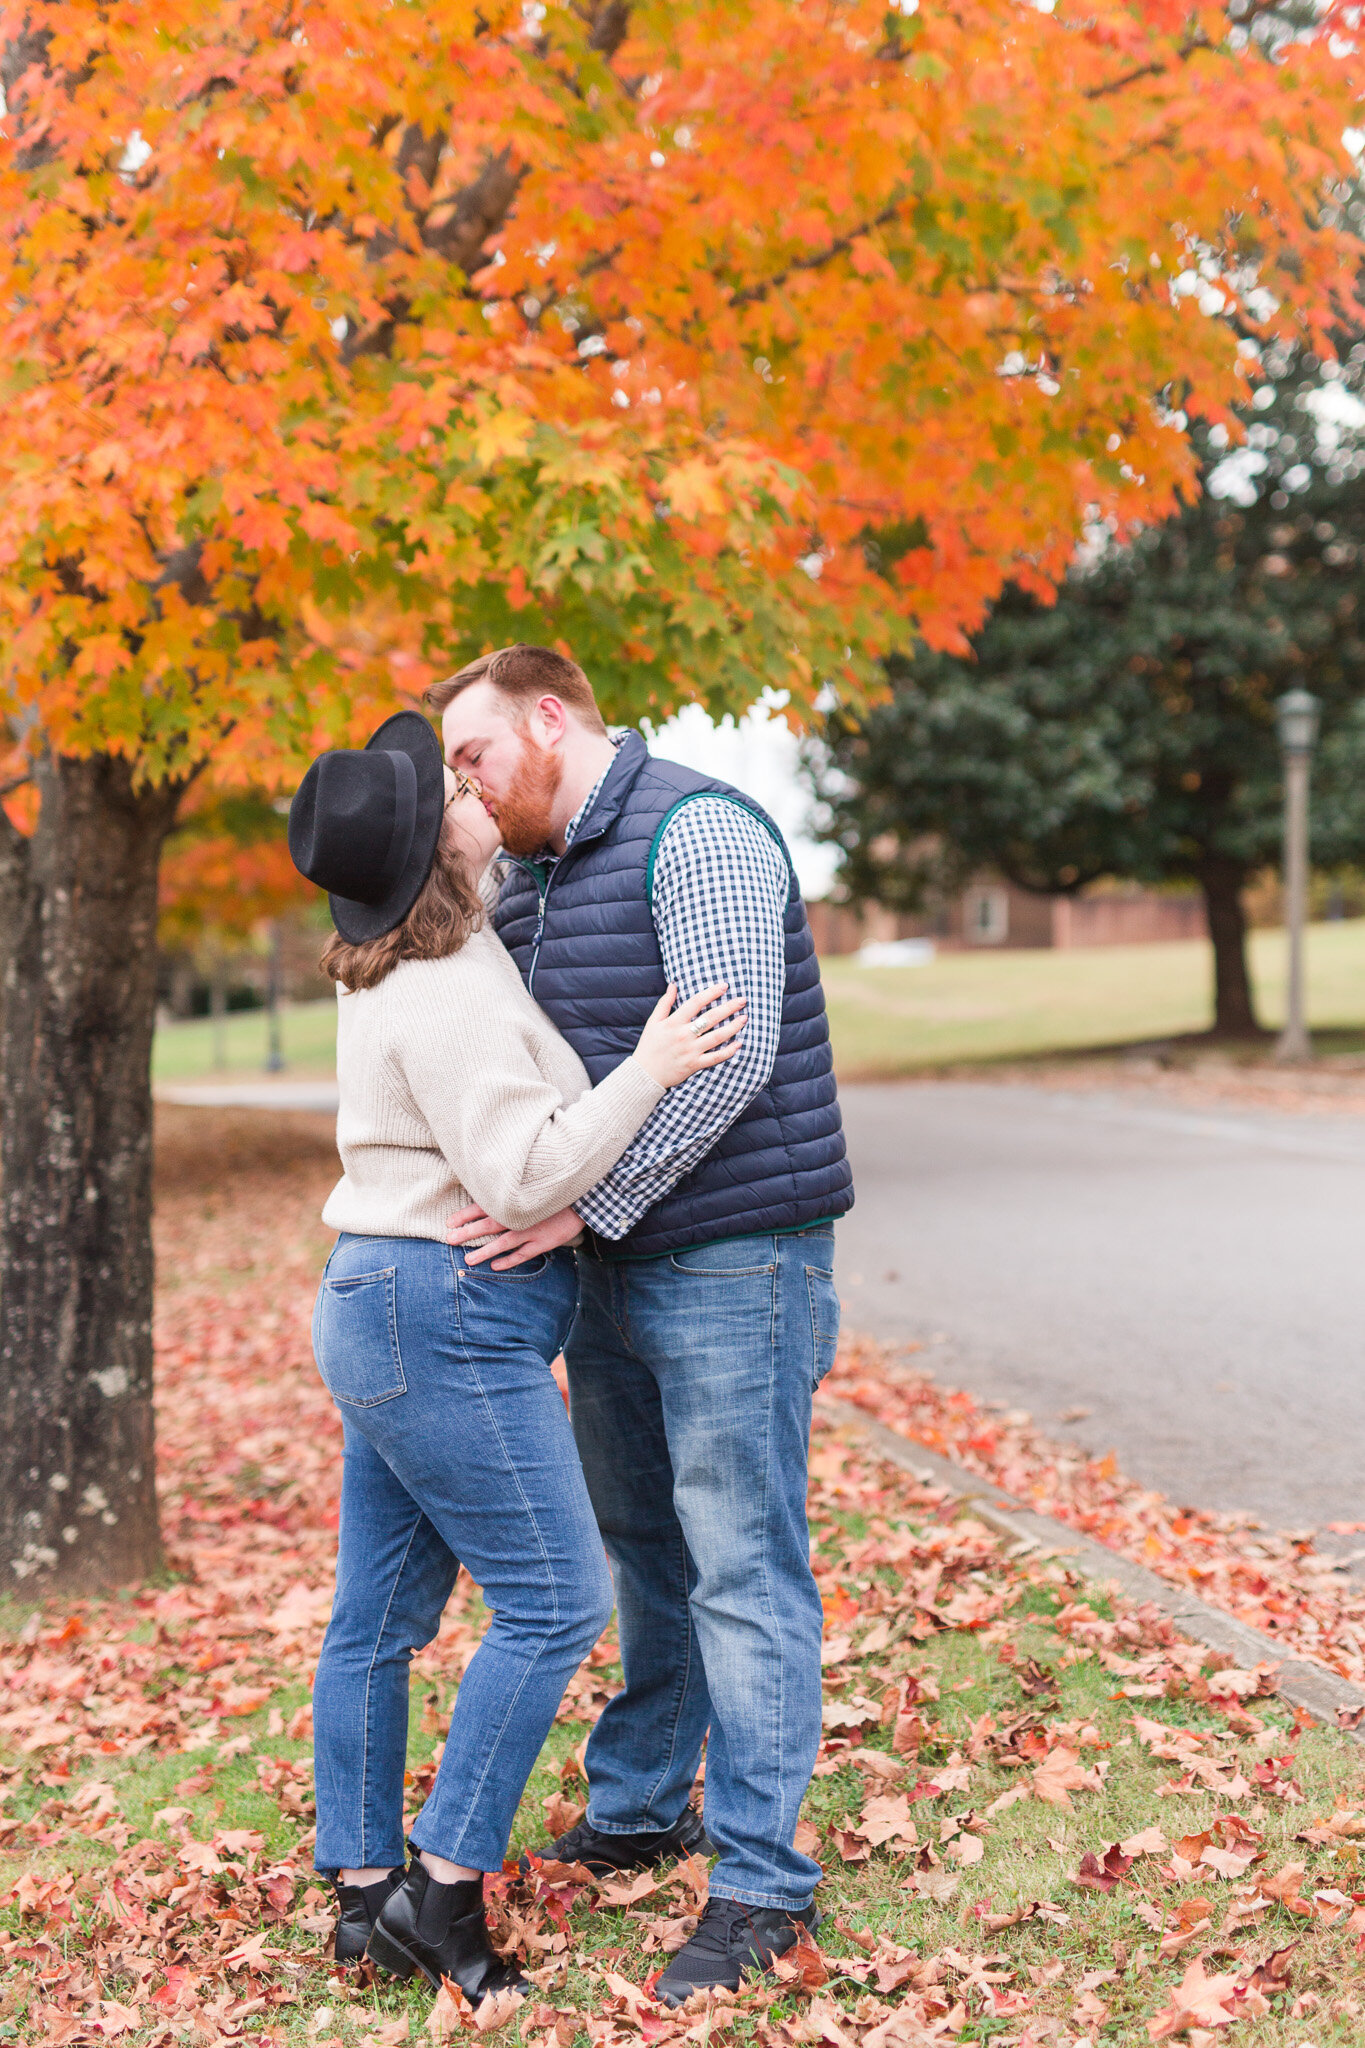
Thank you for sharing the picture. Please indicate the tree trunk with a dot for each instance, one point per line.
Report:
(1234, 1013)
(77, 1495)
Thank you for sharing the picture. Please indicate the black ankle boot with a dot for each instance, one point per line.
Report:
(359, 1909)
(440, 1930)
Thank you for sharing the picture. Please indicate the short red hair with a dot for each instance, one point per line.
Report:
(523, 674)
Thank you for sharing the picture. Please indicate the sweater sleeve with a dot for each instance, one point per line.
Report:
(514, 1145)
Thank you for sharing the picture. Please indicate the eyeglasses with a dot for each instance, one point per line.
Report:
(465, 785)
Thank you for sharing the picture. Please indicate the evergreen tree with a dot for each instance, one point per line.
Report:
(1128, 730)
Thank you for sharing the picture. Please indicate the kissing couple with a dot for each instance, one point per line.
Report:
(586, 1105)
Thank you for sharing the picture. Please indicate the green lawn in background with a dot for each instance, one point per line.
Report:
(1007, 1005)
(184, 1052)
(960, 1007)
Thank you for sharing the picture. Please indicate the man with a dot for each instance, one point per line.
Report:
(707, 1312)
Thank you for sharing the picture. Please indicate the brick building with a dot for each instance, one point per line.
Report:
(992, 912)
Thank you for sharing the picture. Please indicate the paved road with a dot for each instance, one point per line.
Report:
(1195, 1280)
(256, 1094)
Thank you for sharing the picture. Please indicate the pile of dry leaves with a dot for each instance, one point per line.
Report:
(1038, 1817)
(1275, 1581)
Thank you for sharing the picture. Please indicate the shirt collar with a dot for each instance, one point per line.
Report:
(572, 828)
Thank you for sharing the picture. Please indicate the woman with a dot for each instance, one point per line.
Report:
(454, 1088)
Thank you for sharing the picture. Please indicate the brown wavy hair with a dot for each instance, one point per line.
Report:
(447, 911)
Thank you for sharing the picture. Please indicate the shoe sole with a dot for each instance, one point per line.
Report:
(665, 1999)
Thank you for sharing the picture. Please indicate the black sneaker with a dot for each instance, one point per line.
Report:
(359, 1907)
(609, 1855)
(732, 1942)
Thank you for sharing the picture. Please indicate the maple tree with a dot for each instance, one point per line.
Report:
(226, 870)
(343, 338)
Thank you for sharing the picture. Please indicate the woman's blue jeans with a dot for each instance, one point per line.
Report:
(458, 1450)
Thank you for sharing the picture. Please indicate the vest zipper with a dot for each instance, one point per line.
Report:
(542, 882)
(544, 887)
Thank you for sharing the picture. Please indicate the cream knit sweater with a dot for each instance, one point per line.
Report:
(457, 1088)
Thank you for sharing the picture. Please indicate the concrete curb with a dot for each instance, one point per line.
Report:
(1319, 1691)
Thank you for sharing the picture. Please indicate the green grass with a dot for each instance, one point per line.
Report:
(984, 1006)
(184, 1051)
(1032, 1851)
(960, 1008)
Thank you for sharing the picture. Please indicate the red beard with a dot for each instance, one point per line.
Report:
(523, 814)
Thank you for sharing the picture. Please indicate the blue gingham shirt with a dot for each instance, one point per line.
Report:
(719, 904)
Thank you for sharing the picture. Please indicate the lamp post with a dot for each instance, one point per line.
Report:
(1296, 719)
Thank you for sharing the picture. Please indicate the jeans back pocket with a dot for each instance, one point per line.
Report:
(355, 1338)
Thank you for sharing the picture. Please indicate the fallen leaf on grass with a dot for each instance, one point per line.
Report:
(875, 1764)
(1342, 1826)
(1176, 1745)
(251, 1955)
(1061, 1774)
(1036, 1909)
(450, 2014)
(627, 1894)
(387, 2035)
(1229, 1863)
(1245, 1685)
(1101, 1873)
(821, 2022)
(1194, 1921)
(854, 1713)
(1008, 1799)
(1199, 2000)
(803, 1964)
(1036, 1681)
(886, 1819)
(1151, 1842)
(116, 2018)
(1271, 1977)
(561, 1813)
(1273, 1778)
(852, 1848)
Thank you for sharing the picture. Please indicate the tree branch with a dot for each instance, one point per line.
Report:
(456, 227)
(1183, 54)
(752, 293)
(610, 19)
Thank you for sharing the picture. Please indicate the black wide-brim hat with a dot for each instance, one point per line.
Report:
(365, 822)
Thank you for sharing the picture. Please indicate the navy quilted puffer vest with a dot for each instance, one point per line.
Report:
(585, 943)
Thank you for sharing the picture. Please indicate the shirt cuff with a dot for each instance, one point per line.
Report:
(609, 1220)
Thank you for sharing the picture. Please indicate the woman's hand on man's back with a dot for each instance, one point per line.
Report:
(702, 1032)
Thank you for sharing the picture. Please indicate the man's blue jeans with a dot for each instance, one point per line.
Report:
(458, 1449)
(690, 1379)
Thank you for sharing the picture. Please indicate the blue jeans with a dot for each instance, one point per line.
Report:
(691, 1378)
(458, 1449)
